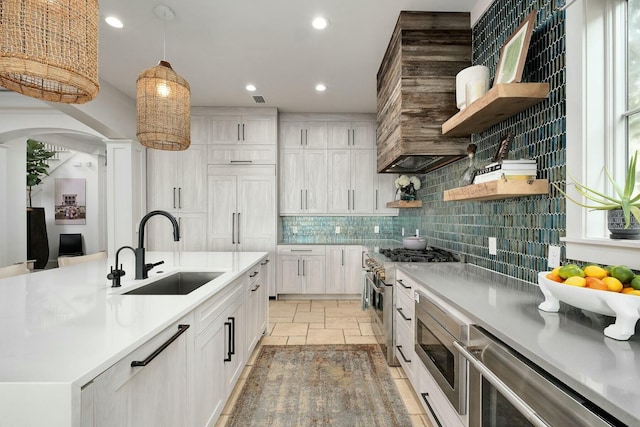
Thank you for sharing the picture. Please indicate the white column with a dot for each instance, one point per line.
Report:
(126, 192)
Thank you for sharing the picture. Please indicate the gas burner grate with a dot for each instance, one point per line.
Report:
(425, 255)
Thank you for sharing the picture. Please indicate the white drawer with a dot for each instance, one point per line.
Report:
(404, 350)
(245, 155)
(405, 310)
(301, 250)
(434, 401)
(404, 284)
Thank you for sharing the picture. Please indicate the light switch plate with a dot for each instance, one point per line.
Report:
(554, 256)
(402, 231)
(376, 229)
(493, 246)
(417, 232)
(294, 229)
(337, 229)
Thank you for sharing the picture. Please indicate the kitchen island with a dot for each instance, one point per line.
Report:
(62, 328)
(570, 345)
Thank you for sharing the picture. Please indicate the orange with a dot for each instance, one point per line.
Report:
(554, 277)
(613, 284)
(595, 283)
(576, 281)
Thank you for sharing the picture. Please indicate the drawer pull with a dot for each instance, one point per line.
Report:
(403, 285)
(399, 347)
(399, 310)
(145, 362)
(424, 397)
(266, 261)
(254, 274)
(256, 288)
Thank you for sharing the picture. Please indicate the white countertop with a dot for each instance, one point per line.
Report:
(67, 325)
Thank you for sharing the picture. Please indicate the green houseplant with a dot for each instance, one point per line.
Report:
(37, 156)
(625, 199)
(37, 240)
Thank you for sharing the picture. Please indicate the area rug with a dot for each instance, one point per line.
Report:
(319, 385)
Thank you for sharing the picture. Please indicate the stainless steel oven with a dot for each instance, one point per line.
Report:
(380, 301)
(436, 331)
(507, 391)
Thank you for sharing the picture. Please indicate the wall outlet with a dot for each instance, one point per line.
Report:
(493, 246)
(554, 256)
(402, 231)
(337, 229)
(294, 229)
(417, 232)
(376, 229)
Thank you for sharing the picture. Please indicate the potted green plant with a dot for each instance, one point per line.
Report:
(623, 208)
(37, 169)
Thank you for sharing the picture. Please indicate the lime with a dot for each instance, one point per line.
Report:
(622, 273)
(635, 283)
(570, 270)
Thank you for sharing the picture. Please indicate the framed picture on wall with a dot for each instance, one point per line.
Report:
(514, 52)
(70, 202)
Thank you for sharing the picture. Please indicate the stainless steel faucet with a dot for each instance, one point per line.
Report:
(142, 269)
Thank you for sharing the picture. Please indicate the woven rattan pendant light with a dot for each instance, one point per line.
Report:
(49, 49)
(163, 104)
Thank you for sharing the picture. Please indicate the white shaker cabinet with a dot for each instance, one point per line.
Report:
(303, 181)
(301, 269)
(385, 191)
(242, 208)
(176, 183)
(300, 134)
(242, 129)
(351, 178)
(257, 301)
(344, 269)
(359, 135)
(150, 395)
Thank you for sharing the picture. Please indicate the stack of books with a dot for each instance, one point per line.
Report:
(507, 169)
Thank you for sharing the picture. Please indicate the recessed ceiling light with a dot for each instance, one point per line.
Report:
(320, 23)
(320, 87)
(114, 22)
(250, 88)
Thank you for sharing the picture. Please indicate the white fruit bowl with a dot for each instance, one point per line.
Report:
(625, 308)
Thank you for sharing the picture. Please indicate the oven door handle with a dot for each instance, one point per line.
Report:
(377, 289)
(522, 406)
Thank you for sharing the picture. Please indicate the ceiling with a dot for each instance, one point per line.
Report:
(220, 46)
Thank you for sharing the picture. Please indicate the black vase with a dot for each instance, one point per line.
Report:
(616, 223)
(37, 240)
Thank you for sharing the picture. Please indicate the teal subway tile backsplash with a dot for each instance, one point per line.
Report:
(322, 228)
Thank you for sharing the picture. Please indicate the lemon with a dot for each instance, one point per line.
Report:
(613, 284)
(576, 281)
(555, 270)
(595, 271)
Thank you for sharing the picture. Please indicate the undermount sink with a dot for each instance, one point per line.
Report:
(181, 283)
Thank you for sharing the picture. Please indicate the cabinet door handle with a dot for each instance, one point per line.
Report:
(179, 197)
(353, 137)
(362, 259)
(433, 414)
(254, 274)
(233, 228)
(301, 199)
(301, 136)
(402, 284)
(306, 199)
(181, 330)
(303, 268)
(233, 335)
(256, 288)
(348, 137)
(399, 347)
(238, 131)
(266, 261)
(228, 358)
(348, 200)
(174, 197)
(241, 161)
(306, 137)
(301, 250)
(298, 267)
(376, 199)
(243, 131)
(342, 250)
(238, 227)
(399, 310)
(353, 199)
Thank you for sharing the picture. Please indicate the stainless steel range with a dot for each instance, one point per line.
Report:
(380, 275)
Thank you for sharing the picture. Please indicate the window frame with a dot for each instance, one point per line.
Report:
(595, 118)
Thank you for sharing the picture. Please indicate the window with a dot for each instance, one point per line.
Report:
(603, 117)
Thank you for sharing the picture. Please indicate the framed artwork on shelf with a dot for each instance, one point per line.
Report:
(514, 52)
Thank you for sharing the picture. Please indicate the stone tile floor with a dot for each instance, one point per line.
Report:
(300, 322)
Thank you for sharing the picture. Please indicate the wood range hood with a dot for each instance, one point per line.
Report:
(416, 86)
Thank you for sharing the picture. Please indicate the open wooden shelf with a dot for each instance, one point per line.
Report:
(405, 204)
(499, 189)
(499, 103)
